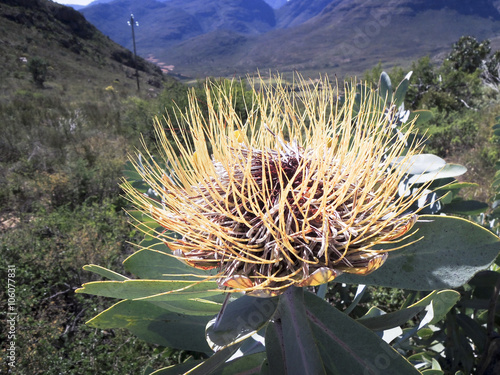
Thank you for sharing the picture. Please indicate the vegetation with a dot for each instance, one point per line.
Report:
(70, 113)
(463, 109)
(301, 331)
(69, 121)
(38, 68)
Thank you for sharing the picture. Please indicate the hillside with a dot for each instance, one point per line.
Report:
(79, 56)
(167, 23)
(394, 32)
(64, 141)
(293, 13)
(337, 36)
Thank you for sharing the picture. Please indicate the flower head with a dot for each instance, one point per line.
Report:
(295, 194)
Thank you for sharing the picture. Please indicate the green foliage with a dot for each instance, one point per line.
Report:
(61, 159)
(174, 98)
(465, 333)
(302, 331)
(425, 263)
(48, 249)
(61, 155)
(454, 97)
(467, 54)
(461, 128)
(292, 316)
(38, 68)
(443, 88)
(453, 132)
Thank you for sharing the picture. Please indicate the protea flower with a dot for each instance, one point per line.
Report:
(296, 194)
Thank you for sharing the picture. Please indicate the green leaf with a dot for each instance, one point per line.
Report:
(441, 301)
(445, 199)
(423, 357)
(264, 369)
(208, 306)
(421, 116)
(158, 265)
(450, 170)
(239, 320)
(141, 186)
(145, 223)
(157, 244)
(247, 365)
(473, 330)
(463, 207)
(457, 186)
(432, 372)
(401, 90)
(130, 173)
(496, 182)
(155, 325)
(152, 290)
(177, 369)
(385, 87)
(425, 333)
(104, 272)
(295, 343)
(139, 216)
(420, 164)
(215, 361)
(348, 347)
(276, 363)
(389, 320)
(485, 279)
(451, 250)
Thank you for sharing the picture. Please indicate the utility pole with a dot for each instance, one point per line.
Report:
(133, 23)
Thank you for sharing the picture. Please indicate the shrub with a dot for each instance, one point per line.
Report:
(38, 68)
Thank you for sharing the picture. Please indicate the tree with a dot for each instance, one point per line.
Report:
(467, 54)
(38, 68)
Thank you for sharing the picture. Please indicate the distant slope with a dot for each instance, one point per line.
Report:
(167, 23)
(159, 23)
(227, 37)
(78, 54)
(275, 4)
(242, 16)
(349, 36)
(295, 12)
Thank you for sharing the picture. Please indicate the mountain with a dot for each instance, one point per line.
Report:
(167, 23)
(276, 4)
(78, 55)
(337, 36)
(242, 16)
(295, 12)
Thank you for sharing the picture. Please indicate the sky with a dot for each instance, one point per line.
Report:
(73, 2)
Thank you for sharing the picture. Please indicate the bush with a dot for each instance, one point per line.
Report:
(38, 68)
(49, 249)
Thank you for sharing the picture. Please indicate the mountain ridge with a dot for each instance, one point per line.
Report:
(309, 35)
